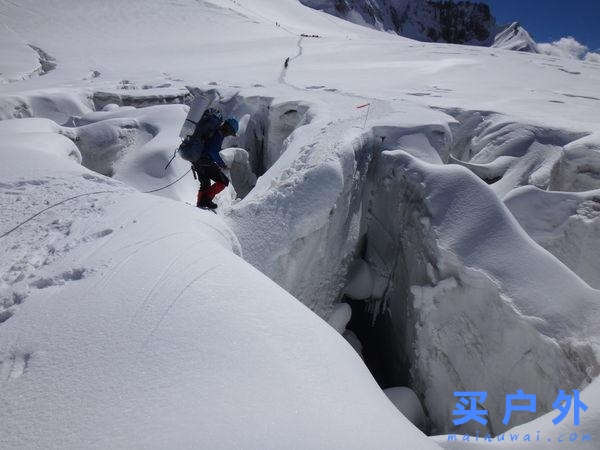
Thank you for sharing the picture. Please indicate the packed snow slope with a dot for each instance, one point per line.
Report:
(566, 225)
(128, 317)
(131, 323)
(239, 43)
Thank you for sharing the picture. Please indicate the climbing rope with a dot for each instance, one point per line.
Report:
(83, 195)
(50, 207)
(168, 185)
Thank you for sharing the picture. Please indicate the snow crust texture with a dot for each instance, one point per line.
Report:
(425, 210)
(128, 320)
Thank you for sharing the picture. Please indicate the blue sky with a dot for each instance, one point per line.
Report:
(549, 20)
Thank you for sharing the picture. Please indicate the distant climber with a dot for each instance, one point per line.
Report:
(202, 150)
(286, 63)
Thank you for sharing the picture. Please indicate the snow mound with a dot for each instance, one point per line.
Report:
(129, 144)
(566, 224)
(59, 105)
(131, 322)
(242, 176)
(579, 167)
(508, 153)
(125, 317)
(360, 286)
(461, 249)
(51, 143)
(134, 145)
(438, 244)
(408, 404)
(340, 317)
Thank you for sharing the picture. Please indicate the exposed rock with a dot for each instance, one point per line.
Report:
(430, 21)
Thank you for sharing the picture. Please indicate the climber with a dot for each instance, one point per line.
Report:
(286, 63)
(207, 140)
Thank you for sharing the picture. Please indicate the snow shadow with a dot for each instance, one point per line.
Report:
(429, 321)
(507, 153)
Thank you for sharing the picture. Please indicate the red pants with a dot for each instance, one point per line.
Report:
(206, 173)
(208, 194)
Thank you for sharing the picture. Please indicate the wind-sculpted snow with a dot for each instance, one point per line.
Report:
(446, 253)
(55, 104)
(462, 207)
(300, 224)
(438, 244)
(579, 167)
(129, 144)
(134, 145)
(127, 320)
(482, 255)
(147, 95)
(507, 153)
(564, 223)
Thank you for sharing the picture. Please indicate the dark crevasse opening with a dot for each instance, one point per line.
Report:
(388, 367)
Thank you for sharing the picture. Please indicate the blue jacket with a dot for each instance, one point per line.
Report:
(212, 147)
